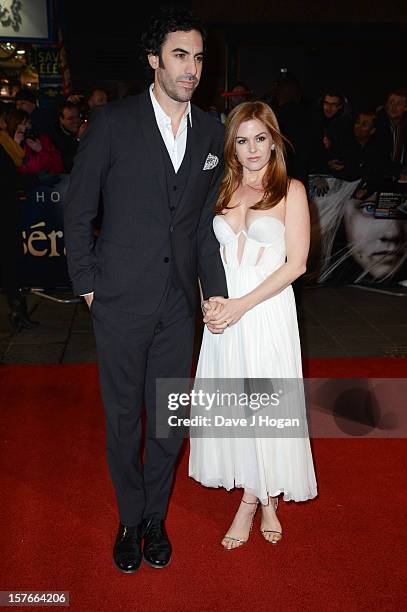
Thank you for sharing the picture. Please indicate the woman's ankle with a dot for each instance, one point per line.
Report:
(249, 498)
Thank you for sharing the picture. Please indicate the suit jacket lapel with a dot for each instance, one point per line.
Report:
(198, 155)
(151, 134)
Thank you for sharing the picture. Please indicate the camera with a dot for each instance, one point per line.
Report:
(31, 134)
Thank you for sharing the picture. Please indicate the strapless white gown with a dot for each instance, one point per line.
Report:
(263, 344)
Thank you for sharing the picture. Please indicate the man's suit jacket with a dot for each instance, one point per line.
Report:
(120, 155)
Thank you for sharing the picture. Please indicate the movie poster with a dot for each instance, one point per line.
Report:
(356, 241)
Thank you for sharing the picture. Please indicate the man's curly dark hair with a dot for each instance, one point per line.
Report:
(168, 19)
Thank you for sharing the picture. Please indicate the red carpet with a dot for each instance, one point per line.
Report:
(343, 551)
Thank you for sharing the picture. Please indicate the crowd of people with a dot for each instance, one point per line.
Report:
(36, 145)
(330, 137)
(324, 140)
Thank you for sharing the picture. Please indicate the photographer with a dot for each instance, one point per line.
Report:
(86, 104)
(40, 155)
(64, 133)
(358, 155)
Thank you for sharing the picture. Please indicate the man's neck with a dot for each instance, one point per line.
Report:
(172, 108)
(65, 131)
(395, 120)
(363, 141)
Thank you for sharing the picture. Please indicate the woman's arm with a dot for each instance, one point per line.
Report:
(297, 238)
(44, 158)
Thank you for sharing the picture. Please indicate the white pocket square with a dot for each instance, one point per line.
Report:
(211, 162)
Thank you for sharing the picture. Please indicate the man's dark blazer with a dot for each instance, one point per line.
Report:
(121, 156)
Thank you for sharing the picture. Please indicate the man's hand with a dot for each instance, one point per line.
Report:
(75, 98)
(321, 186)
(336, 164)
(210, 310)
(88, 299)
(82, 129)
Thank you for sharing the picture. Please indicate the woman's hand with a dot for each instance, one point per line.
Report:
(232, 311)
(35, 145)
(18, 137)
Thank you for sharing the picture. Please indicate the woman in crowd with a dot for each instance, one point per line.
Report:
(262, 225)
(40, 155)
(11, 245)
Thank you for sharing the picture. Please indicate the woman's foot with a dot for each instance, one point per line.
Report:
(240, 529)
(270, 525)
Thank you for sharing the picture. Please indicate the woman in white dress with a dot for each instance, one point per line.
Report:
(262, 225)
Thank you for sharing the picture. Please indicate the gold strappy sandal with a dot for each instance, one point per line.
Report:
(241, 542)
(277, 534)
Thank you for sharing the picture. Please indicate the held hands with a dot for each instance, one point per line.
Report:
(209, 310)
(221, 313)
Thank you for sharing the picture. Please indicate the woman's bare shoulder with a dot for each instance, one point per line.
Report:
(296, 189)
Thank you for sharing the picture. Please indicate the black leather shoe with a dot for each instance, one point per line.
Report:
(19, 317)
(157, 547)
(127, 555)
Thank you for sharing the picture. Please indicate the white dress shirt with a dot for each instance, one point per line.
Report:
(175, 145)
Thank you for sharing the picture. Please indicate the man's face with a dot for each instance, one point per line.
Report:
(70, 119)
(331, 105)
(364, 126)
(25, 105)
(396, 106)
(179, 66)
(98, 98)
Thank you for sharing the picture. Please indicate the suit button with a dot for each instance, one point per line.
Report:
(171, 228)
(172, 208)
(166, 259)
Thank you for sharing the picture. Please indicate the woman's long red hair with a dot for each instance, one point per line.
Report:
(275, 180)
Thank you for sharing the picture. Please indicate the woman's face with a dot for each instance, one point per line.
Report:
(22, 127)
(253, 145)
(378, 245)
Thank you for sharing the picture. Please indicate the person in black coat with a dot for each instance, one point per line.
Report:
(158, 160)
(64, 133)
(327, 124)
(391, 134)
(357, 154)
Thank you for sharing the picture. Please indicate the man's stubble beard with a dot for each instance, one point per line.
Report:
(170, 88)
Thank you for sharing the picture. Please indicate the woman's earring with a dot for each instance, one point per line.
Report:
(273, 146)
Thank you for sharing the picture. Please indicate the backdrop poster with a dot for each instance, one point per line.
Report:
(24, 19)
(356, 241)
(44, 263)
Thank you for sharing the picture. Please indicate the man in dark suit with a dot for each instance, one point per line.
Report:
(157, 160)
